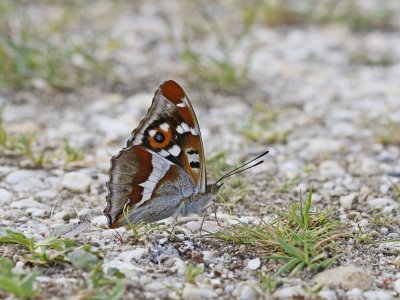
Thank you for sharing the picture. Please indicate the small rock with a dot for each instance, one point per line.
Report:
(208, 226)
(192, 292)
(327, 295)
(5, 197)
(317, 146)
(293, 292)
(348, 201)
(127, 268)
(245, 291)
(100, 221)
(330, 169)
(207, 255)
(354, 294)
(21, 176)
(135, 254)
(381, 202)
(396, 286)
(27, 203)
(76, 182)
(384, 231)
(155, 286)
(254, 264)
(364, 167)
(37, 212)
(393, 235)
(377, 295)
(345, 277)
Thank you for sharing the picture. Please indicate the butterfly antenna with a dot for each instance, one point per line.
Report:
(239, 169)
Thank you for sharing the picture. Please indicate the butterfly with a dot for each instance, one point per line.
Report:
(162, 170)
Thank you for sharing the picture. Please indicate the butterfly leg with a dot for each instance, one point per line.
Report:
(202, 222)
(175, 217)
(215, 215)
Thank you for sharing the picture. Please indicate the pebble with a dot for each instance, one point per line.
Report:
(100, 222)
(254, 264)
(293, 292)
(191, 292)
(19, 176)
(330, 169)
(135, 254)
(245, 291)
(384, 231)
(327, 295)
(381, 202)
(127, 268)
(354, 294)
(377, 295)
(5, 197)
(76, 182)
(394, 235)
(396, 286)
(27, 203)
(208, 226)
(348, 201)
(345, 277)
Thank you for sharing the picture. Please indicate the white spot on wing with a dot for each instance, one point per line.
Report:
(175, 150)
(152, 132)
(193, 157)
(160, 167)
(183, 127)
(182, 104)
(163, 153)
(164, 126)
(179, 129)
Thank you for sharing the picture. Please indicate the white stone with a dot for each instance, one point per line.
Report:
(381, 202)
(191, 292)
(27, 203)
(135, 254)
(377, 295)
(36, 212)
(293, 292)
(348, 201)
(76, 182)
(330, 169)
(396, 286)
(21, 176)
(384, 231)
(345, 277)
(100, 222)
(354, 293)
(254, 264)
(327, 295)
(5, 197)
(127, 268)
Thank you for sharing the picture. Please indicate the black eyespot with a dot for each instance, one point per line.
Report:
(195, 164)
(159, 137)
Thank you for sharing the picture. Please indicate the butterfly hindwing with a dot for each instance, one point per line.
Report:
(149, 184)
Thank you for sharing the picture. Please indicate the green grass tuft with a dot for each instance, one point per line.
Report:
(299, 237)
(192, 272)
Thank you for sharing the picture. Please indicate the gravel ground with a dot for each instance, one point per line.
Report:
(323, 98)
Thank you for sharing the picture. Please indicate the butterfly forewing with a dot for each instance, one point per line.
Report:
(170, 129)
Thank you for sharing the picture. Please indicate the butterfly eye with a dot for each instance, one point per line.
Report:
(159, 137)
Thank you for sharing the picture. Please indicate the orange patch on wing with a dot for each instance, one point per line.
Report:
(187, 116)
(167, 138)
(173, 91)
